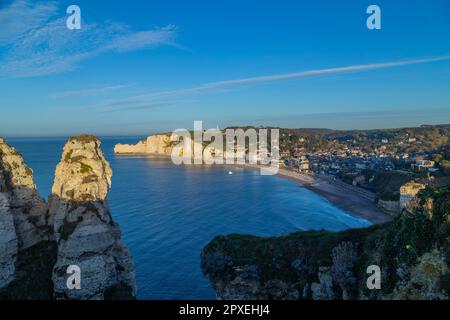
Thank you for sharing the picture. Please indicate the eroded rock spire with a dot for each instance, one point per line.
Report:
(85, 232)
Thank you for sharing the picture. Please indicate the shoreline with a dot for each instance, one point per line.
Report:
(353, 200)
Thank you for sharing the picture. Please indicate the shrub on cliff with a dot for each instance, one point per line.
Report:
(410, 236)
(344, 257)
(424, 280)
(413, 252)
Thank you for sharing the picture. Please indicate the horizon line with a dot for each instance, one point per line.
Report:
(227, 127)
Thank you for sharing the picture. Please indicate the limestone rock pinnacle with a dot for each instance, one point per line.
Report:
(85, 232)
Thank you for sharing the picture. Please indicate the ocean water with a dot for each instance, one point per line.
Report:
(168, 213)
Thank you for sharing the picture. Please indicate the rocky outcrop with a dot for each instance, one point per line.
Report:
(27, 208)
(245, 282)
(23, 214)
(85, 232)
(411, 251)
(408, 193)
(39, 241)
(323, 290)
(83, 173)
(8, 243)
(159, 144)
(422, 281)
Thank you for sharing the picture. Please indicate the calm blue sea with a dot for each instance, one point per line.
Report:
(169, 213)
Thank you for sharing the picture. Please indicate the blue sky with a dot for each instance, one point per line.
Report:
(139, 67)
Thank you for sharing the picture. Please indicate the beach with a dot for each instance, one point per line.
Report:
(353, 200)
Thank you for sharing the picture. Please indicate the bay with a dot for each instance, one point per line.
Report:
(168, 213)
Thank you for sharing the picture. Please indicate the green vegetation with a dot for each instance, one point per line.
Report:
(415, 242)
(273, 256)
(28, 171)
(445, 165)
(84, 168)
(84, 138)
(90, 178)
(68, 156)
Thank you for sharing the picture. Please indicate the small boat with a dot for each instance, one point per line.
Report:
(230, 172)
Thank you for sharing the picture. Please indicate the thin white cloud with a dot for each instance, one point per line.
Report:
(21, 16)
(88, 92)
(141, 107)
(46, 46)
(230, 84)
(144, 39)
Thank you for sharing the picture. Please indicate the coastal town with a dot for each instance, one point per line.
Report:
(392, 165)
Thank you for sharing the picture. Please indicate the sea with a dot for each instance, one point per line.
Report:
(168, 213)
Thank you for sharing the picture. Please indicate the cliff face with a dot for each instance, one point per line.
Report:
(159, 144)
(27, 208)
(408, 193)
(156, 144)
(84, 230)
(412, 251)
(23, 214)
(139, 148)
(38, 241)
(8, 243)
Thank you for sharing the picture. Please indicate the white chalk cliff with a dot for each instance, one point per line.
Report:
(159, 144)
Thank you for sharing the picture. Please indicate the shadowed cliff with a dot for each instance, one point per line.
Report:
(75, 228)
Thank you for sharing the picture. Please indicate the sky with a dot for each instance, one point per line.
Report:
(141, 67)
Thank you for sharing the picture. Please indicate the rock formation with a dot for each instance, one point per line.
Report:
(23, 218)
(408, 192)
(323, 290)
(159, 144)
(27, 208)
(8, 243)
(139, 148)
(38, 242)
(84, 230)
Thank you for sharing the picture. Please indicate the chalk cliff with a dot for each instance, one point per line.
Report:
(139, 148)
(84, 230)
(38, 241)
(159, 144)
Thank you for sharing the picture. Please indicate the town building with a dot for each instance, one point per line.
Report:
(422, 165)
